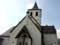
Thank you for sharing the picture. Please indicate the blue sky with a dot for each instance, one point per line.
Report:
(12, 11)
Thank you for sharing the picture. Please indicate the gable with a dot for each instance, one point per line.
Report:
(17, 24)
(24, 22)
(24, 31)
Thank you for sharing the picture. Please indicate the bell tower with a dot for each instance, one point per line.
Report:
(36, 13)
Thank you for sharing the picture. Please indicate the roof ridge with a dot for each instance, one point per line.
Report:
(17, 24)
(36, 21)
(38, 27)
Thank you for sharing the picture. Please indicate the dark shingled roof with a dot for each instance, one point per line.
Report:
(48, 29)
(35, 6)
(44, 29)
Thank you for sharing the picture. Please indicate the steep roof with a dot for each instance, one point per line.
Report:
(17, 25)
(7, 33)
(35, 6)
(24, 30)
(48, 29)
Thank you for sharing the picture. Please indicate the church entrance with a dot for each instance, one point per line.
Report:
(24, 38)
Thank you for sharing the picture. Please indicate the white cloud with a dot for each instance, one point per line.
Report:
(29, 6)
(7, 12)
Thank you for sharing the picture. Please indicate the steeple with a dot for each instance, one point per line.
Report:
(35, 12)
(35, 6)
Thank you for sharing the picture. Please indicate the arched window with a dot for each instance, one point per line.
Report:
(1, 41)
(24, 38)
(36, 13)
(30, 13)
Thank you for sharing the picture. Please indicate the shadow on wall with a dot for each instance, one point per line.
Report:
(1, 41)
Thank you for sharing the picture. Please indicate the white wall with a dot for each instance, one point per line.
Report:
(38, 18)
(6, 41)
(50, 39)
(34, 32)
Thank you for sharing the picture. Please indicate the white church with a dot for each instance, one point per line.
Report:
(29, 31)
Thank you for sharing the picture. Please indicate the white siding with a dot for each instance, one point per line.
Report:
(38, 18)
(35, 33)
(50, 39)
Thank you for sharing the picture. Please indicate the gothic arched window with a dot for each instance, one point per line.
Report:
(24, 38)
(31, 13)
(36, 13)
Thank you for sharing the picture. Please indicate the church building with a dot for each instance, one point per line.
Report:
(29, 31)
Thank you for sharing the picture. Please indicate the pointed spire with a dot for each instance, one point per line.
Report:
(35, 6)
